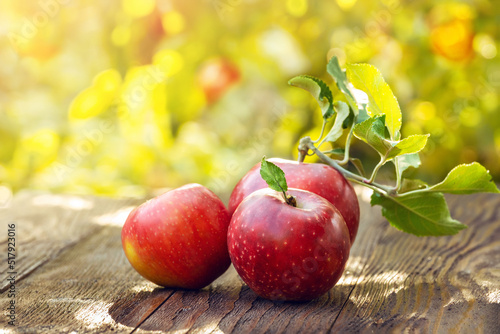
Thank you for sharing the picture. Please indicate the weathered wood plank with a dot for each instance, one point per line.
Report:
(443, 285)
(393, 281)
(81, 273)
(47, 224)
(82, 288)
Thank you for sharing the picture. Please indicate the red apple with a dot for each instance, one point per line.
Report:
(320, 179)
(284, 252)
(179, 239)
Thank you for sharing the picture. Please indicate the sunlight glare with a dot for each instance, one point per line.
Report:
(65, 201)
(116, 218)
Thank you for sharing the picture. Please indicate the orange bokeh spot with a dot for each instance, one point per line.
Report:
(216, 76)
(453, 40)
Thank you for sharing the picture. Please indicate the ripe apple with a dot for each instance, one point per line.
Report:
(320, 179)
(286, 252)
(179, 239)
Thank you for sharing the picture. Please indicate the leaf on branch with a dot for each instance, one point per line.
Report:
(318, 89)
(339, 76)
(337, 129)
(381, 99)
(406, 161)
(422, 214)
(273, 175)
(412, 184)
(467, 179)
(409, 145)
(372, 132)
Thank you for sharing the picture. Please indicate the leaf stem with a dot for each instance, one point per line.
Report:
(373, 186)
(358, 168)
(348, 144)
(413, 192)
(376, 169)
(322, 132)
(321, 142)
(397, 188)
(285, 196)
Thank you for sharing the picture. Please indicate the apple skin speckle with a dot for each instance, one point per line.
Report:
(298, 265)
(179, 239)
(320, 179)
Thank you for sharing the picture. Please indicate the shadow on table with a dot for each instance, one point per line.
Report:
(225, 307)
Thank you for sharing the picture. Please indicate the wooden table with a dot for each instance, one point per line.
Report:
(72, 276)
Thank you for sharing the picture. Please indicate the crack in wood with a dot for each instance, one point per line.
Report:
(347, 299)
(150, 314)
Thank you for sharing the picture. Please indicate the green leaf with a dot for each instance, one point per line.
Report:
(337, 128)
(363, 115)
(412, 184)
(273, 175)
(467, 179)
(318, 89)
(333, 68)
(362, 130)
(422, 214)
(372, 132)
(406, 161)
(381, 99)
(409, 145)
(379, 129)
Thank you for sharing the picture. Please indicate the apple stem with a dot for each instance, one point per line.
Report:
(290, 200)
(302, 153)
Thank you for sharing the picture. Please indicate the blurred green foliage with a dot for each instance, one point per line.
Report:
(125, 97)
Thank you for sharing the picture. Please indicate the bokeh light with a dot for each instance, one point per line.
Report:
(126, 97)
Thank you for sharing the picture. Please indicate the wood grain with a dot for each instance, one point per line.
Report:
(81, 281)
(74, 245)
(439, 285)
(81, 289)
(47, 224)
